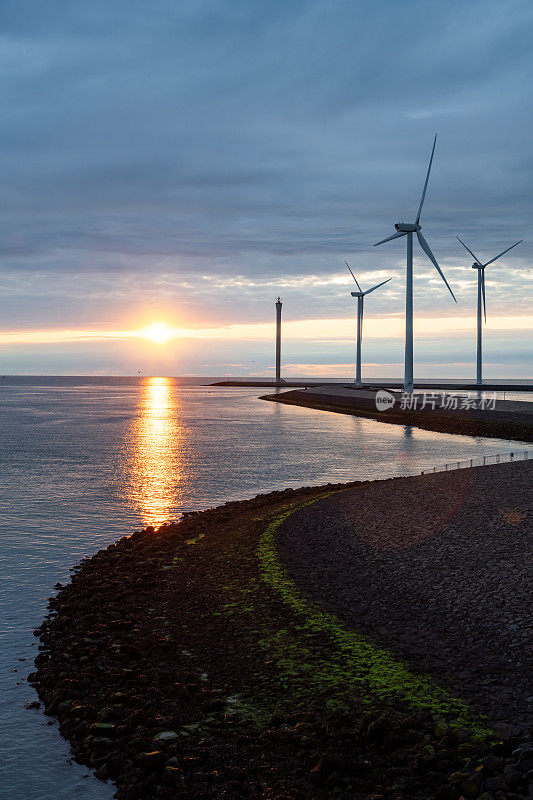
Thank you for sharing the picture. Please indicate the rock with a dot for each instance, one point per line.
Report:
(525, 747)
(493, 764)
(217, 704)
(190, 762)
(506, 731)
(102, 773)
(103, 728)
(513, 778)
(457, 778)
(171, 772)
(463, 735)
(472, 783)
(495, 784)
(303, 728)
(167, 736)
(377, 729)
(322, 769)
(277, 719)
(152, 761)
(445, 792)
(525, 760)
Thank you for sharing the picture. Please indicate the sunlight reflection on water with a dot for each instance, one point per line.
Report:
(154, 449)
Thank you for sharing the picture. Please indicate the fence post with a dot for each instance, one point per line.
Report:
(484, 460)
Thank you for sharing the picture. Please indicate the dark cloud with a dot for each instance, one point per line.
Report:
(149, 143)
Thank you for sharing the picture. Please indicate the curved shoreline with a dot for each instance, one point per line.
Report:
(488, 424)
(353, 658)
(173, 667)
(436, 571)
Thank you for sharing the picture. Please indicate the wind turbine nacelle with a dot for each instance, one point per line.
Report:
(477, 266)
(407, 227)
(357, 294)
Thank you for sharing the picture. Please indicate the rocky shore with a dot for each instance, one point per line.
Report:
(508, 420)
(185, 662)
(439, 570)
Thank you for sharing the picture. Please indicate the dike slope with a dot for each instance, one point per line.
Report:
(508, 420)
(185, 662)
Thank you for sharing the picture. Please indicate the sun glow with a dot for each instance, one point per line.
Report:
(303, 329)
(158, 333)
(157, 455)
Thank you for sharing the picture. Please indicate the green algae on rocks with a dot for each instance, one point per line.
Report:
(354, 663)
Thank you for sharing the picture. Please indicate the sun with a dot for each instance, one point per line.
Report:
(157, 333)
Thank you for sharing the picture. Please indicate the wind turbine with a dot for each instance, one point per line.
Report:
(481, 294)
(360, 300)
(407, 229)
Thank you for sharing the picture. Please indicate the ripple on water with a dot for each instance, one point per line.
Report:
(84, 464)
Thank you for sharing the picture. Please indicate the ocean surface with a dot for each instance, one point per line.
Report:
(86, 461)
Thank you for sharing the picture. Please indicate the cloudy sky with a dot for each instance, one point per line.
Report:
(183, 163)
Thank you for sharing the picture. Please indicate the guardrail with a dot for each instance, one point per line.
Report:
(481, 461)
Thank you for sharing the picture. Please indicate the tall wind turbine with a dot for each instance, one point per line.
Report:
(407, 229)
(360, 300)
(481, 294)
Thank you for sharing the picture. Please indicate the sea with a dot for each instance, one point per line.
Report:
(85, 461)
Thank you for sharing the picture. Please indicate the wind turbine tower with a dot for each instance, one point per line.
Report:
(408, 229)
(481, 297)
(278, 340)
(360, 301)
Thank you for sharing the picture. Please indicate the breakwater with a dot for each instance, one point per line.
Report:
(507, 420)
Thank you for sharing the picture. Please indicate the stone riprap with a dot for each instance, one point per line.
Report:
(508, 419)
(437, 568)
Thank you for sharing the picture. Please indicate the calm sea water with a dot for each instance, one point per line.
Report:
(84, 462)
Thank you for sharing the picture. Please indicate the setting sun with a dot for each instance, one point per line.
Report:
(158, 332)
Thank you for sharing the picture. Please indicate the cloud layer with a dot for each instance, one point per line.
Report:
(192, 160)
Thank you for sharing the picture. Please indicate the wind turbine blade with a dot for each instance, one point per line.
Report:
(483, 292)
(502, 254)
(426, 183)
(390, 238)
(353, 276)
(476, 259)
(376, 287)
(426, 248)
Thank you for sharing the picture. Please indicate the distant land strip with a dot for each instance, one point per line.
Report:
(503, 422)
(434, 386)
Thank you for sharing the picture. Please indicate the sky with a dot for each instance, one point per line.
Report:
(182, 164)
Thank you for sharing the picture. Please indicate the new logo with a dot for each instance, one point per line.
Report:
(384, 400)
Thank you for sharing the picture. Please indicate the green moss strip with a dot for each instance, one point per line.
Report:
(353, 663)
